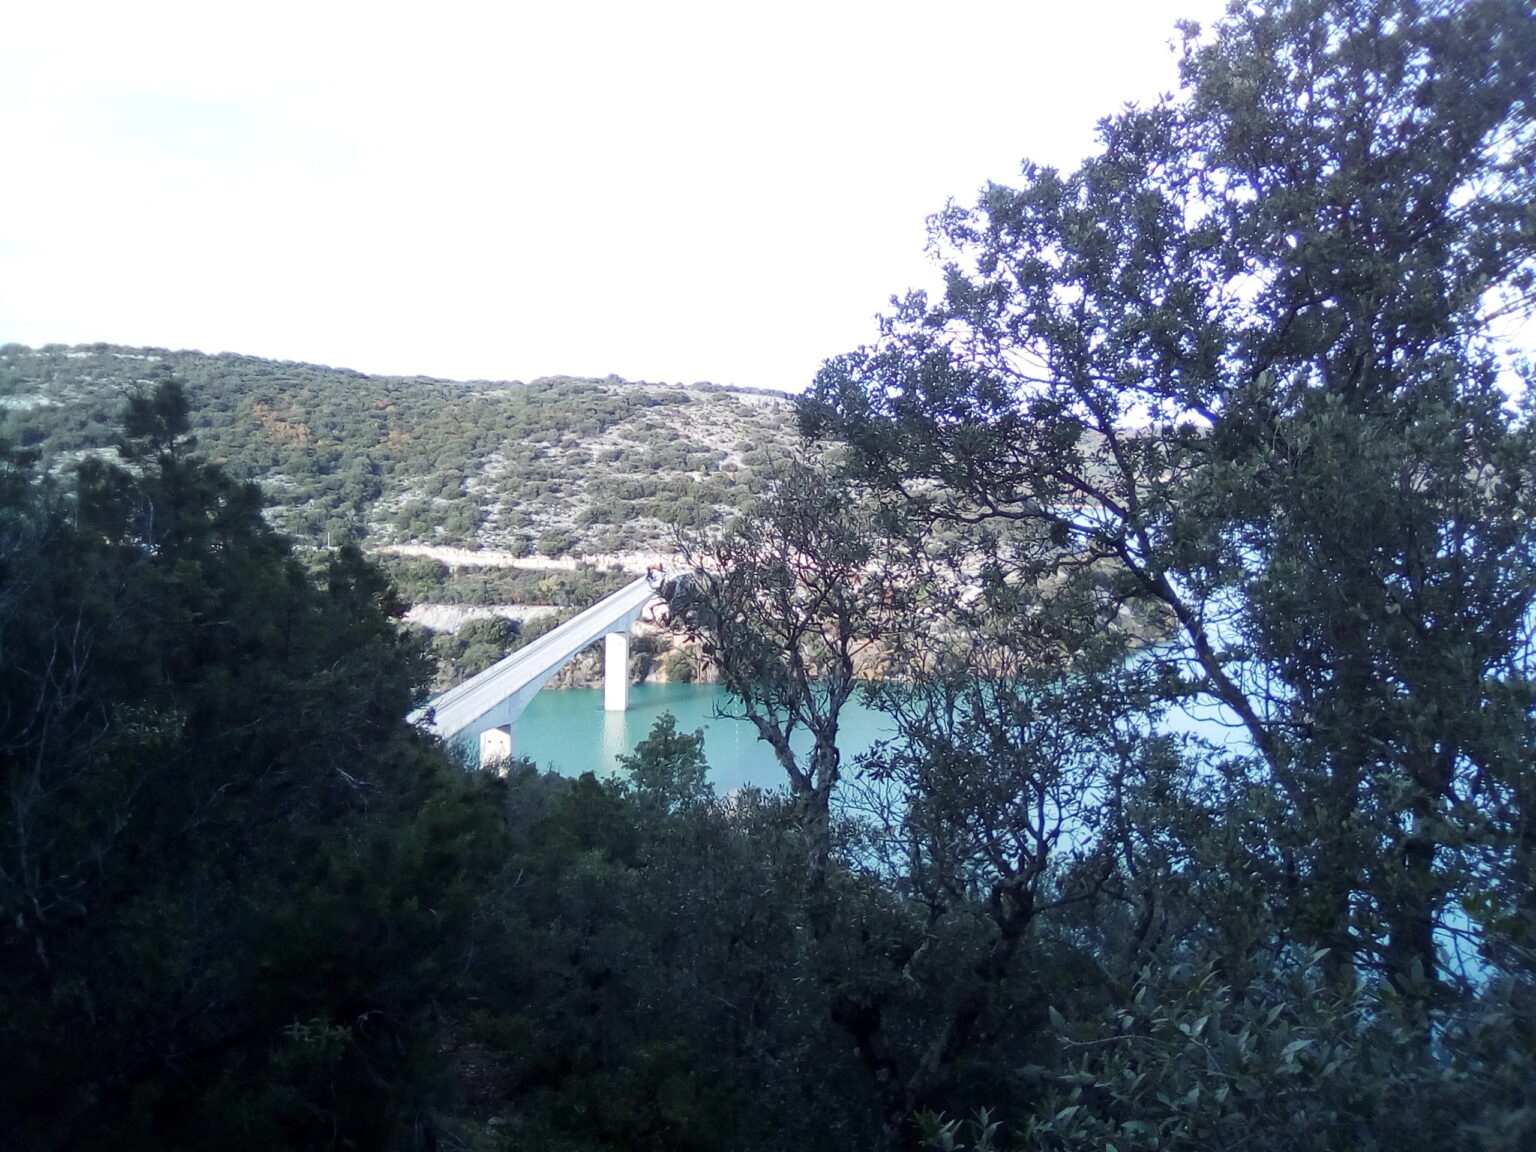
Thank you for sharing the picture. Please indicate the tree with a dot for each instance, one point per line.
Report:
(667, 769)
(1246, 354)
(786, 602)
(232, 879)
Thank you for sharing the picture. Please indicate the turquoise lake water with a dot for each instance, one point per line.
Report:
(569, 732)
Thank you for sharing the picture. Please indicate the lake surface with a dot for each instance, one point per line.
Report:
(569, 732)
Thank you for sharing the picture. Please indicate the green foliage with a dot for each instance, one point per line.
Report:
(645, 984)
(423, 581)
(1244, 355)
(678, 667)
(472, 649)
(667, 768)
(222, 842)
(540, 625)
(1288, 1062)
(1239, 367)
(554, 542)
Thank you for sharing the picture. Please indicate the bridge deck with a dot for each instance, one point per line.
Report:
(497, 696)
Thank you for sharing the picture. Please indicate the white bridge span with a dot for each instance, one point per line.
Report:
(481, 713)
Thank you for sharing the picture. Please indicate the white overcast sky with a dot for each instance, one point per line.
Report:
(667, 191)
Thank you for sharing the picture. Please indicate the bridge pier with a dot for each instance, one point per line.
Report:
(616, 671)
(496, 744)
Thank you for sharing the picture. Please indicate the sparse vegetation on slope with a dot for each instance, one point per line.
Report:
(553, 467)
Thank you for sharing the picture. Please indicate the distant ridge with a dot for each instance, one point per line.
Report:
(559, 465)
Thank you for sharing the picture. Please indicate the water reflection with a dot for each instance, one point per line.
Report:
(569, 732)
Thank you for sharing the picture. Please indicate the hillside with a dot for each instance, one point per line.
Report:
(557, 466)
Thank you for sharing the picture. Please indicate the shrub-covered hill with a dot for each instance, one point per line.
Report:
(557, 465)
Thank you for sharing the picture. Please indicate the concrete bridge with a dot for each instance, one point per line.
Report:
(482, 712)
